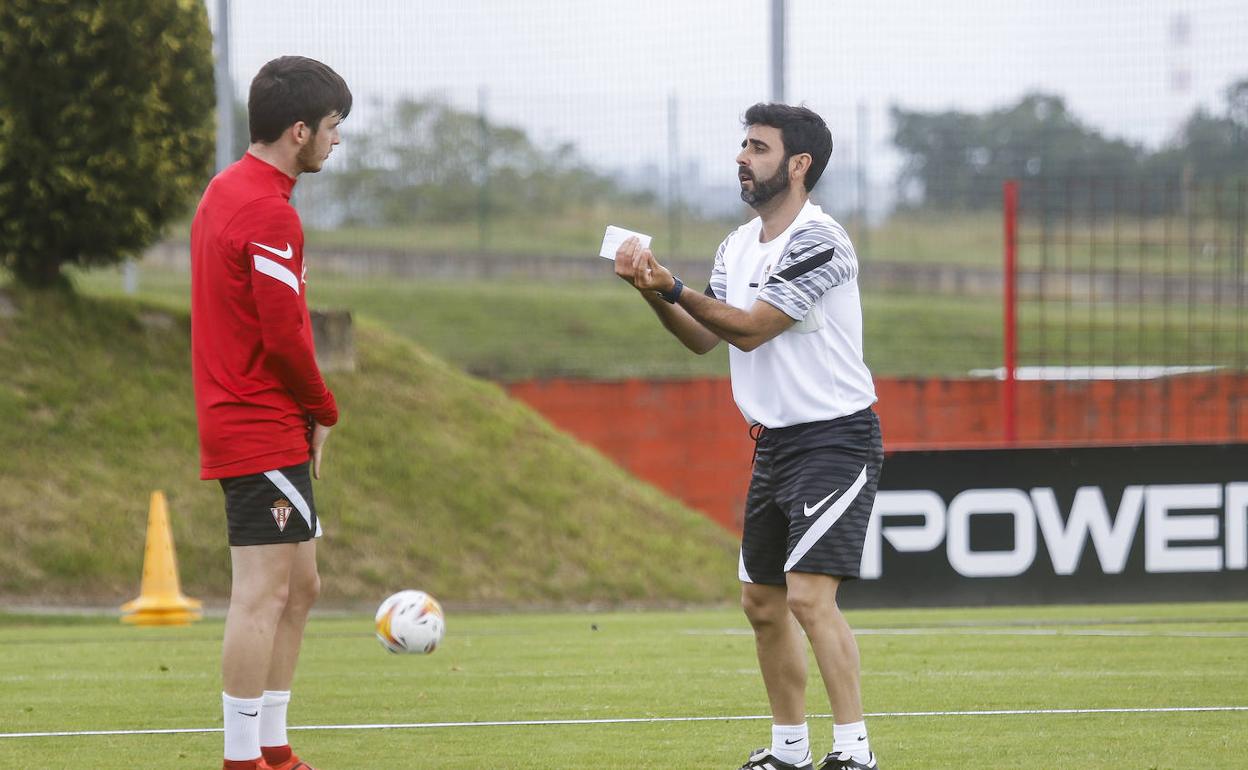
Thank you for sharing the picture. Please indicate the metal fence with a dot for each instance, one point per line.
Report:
(650, 94)
(1139, 283)
(528, 127)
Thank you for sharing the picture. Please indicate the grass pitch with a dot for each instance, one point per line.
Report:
(932, 682)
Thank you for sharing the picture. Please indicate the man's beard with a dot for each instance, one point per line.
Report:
(308, 159)
(766, 189)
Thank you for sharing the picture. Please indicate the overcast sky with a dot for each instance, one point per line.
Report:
(600, 72)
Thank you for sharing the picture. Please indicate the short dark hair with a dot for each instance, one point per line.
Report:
(291, 89)
(801, 129)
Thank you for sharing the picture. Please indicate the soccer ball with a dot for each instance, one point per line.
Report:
(410, 621)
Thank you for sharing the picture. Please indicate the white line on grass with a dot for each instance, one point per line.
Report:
(635, 720)
(1051, 632)
(1004, 632)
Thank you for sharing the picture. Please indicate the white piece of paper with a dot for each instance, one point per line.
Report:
(614, 236)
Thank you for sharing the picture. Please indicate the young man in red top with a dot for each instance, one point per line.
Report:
(264, 411)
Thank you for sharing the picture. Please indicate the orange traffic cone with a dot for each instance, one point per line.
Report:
(160, 601)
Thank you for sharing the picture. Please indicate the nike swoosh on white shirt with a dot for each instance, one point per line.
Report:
(287, 254)
(810, 510)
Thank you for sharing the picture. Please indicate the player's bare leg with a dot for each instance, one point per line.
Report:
(259, 591)
(781, 654)
(258, 594)
(305, 586)
(812, 599)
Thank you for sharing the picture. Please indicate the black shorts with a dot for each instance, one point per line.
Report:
(271, 507)
(810, 499)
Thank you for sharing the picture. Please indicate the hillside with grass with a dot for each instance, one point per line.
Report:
(433, 479)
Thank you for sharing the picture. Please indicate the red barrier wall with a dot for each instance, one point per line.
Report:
(687, 437)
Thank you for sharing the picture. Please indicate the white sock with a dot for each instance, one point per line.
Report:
(851, 739)
(273, 718)
(790, 743)
(242, 727)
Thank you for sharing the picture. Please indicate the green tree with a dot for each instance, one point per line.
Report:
(1210, 146)
(958, 160)
(106, 127)
(427, 161)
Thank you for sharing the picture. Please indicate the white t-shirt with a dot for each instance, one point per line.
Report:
(813, 370)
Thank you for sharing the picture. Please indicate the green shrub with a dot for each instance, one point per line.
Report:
(106, 127)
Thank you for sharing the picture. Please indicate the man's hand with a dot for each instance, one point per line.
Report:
(648, 274)
(319, 435)
(624, 257)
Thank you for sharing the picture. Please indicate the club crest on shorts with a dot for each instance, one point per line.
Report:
(281, 510)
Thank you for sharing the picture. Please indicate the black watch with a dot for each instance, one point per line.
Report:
(672, 296)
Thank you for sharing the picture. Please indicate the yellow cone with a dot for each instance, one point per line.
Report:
(160, 601)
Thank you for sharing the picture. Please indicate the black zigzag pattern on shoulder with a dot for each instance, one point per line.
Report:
(804, 266)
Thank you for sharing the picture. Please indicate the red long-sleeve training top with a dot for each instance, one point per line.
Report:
(252, 356)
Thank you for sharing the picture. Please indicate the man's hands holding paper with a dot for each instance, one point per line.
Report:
(637, 265)
(698, 321)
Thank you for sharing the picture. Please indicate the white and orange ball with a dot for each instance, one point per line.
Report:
(410, 621)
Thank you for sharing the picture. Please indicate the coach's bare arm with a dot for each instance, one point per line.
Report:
(683, 326)
(697, 320)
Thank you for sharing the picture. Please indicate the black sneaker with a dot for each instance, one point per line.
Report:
(763, 759)
(844, 761)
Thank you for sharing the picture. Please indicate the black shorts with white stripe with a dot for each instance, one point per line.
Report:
(271, 507)
(810, 499)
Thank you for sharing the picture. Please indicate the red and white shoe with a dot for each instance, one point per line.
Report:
(290, 763)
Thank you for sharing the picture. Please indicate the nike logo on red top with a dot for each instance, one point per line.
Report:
(287, 254)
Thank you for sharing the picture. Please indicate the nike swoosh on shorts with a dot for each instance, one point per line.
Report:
(811, 510)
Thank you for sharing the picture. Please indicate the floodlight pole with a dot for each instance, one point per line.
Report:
(863, 141)
(777, 50)
(225, 87)
(673, 173)
(483, 195)
(1009, 391)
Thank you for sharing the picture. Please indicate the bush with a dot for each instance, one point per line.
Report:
(106, 127)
